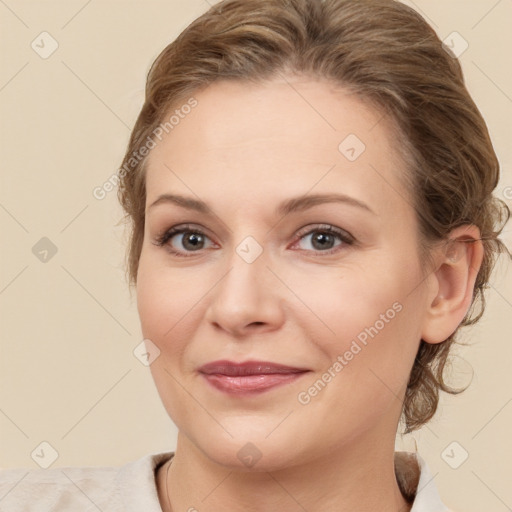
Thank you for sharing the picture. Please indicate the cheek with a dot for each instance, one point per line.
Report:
(374, 324)
(353, 302)
(366, 372)
(165, 308)
(166, 299)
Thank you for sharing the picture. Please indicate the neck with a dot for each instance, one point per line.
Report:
(360, 477)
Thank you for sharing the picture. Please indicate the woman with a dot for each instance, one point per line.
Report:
(310, 190)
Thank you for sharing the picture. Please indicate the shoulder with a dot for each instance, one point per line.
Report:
(82, 488)
(56, 489)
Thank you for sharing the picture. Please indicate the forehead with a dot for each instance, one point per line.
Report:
(277, 139)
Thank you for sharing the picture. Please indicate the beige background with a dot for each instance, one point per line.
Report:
(68, 375)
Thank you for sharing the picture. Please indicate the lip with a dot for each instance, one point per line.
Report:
(225, 367)
(249, 377)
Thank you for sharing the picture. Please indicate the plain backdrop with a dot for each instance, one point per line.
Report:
(68, 374)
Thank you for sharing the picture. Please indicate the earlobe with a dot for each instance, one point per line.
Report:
(458, 263)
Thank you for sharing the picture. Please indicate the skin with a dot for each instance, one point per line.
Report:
(243, 150)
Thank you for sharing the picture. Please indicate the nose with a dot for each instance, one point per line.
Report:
(247, 300)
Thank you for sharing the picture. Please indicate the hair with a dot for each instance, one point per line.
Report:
(385, 53)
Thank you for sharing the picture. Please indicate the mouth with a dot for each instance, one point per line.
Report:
(249, 377)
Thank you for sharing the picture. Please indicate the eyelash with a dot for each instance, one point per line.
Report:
(163, 238)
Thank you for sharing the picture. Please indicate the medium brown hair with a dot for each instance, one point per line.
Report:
(387, 54)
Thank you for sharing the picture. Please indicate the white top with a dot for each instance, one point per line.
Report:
(128, 488)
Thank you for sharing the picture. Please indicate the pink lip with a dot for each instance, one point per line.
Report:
(250, 376)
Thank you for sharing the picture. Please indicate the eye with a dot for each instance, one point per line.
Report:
(325, 238)
(183, 239)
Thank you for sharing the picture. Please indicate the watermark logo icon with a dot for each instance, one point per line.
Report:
(44, 250)
(249, 249)
(44, 455)
(146, 352)
(45, 45)
(454, 455)
(351, 147)
(455, 44)
(249, 455)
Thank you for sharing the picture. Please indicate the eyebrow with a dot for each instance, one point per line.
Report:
(294, 204)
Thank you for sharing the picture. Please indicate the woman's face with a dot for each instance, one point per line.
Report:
(259, 173)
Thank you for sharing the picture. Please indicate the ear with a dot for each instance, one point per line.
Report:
(458, 262)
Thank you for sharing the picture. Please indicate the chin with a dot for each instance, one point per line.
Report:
(250, 453)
